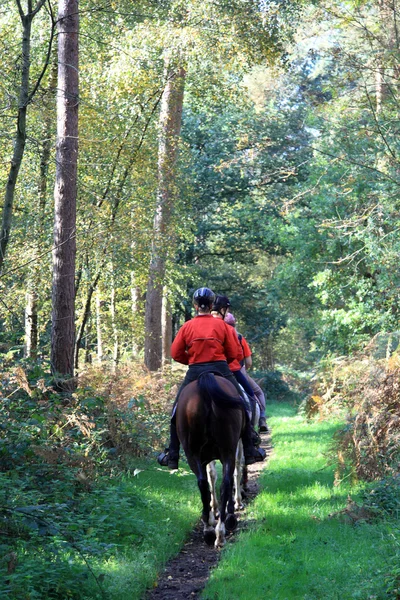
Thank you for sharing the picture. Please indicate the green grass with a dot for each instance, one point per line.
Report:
(109, 543)
(167, 512)
(292, 549)
(110, 540)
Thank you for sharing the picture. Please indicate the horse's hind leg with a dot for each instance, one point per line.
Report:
(226, 500)
(231, 520)
(237, 477)
(212, 480)
(202, 482)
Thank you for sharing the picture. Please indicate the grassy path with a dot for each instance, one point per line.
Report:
(161, 509)
(109, 542)
(292, 549)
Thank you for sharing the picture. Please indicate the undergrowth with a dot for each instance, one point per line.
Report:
(367, 389)
(63, 458)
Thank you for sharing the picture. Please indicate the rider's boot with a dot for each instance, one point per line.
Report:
(262, 425)
(251, 454)
(170, 457)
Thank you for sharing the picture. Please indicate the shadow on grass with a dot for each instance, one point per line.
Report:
(292, 549)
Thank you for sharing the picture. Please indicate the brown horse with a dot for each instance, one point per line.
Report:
(209, 421)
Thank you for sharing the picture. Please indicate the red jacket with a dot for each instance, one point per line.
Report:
(204, 339)
(245, 347)
(235, 364)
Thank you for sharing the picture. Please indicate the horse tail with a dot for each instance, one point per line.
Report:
(211, 391)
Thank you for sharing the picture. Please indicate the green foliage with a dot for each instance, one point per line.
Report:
(294, 548)
(69, 472)
(367, 390)
(384, 497)
(272, 381)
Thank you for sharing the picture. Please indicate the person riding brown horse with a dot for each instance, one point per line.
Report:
(210, 418)
(207, 345)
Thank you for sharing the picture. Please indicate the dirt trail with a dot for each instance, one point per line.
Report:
(186, 575)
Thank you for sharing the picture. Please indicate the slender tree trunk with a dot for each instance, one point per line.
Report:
(31, 325)
(88, 354)
(20, 136)
(85, 318)
(379, 86)
(113, 308)
(32, 304)
(166, 320)
(134, 304)
(98, 328)
(63, 298)
(169, 132)
(19, 140)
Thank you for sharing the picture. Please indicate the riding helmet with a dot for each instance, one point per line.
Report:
(204, 297)
(221, 302)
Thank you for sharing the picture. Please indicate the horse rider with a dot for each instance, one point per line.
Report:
(246, 364)
(206, 344)
(220, 311)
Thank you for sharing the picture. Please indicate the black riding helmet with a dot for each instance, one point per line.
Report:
(204, 297)
(220, 302)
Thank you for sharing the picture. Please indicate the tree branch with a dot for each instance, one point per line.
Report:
(47, 62)
(358, 164)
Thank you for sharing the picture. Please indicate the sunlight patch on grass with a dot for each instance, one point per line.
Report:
(151, 517)
(292, 549)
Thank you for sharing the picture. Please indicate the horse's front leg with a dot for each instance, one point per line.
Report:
(237, 477)
(212, 480)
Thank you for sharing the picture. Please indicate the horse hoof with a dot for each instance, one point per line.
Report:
(231, 523)
(209, 537)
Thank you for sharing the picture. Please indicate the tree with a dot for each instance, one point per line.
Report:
(170, 126)
(64, 251)
(25, 98)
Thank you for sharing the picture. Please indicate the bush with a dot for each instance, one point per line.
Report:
(368, 389)
(57, 452)
(273, 384)
(384, 497)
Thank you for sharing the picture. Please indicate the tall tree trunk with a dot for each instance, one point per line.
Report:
(85, 318)
(32, 297)
(98, 328)
(166, 320)
(169, 131)
(88, 353)
(113, 308)
(31, 324)
(134, 304)
(63, 298)
(20, 136)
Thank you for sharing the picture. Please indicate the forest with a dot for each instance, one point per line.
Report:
(150, 148)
